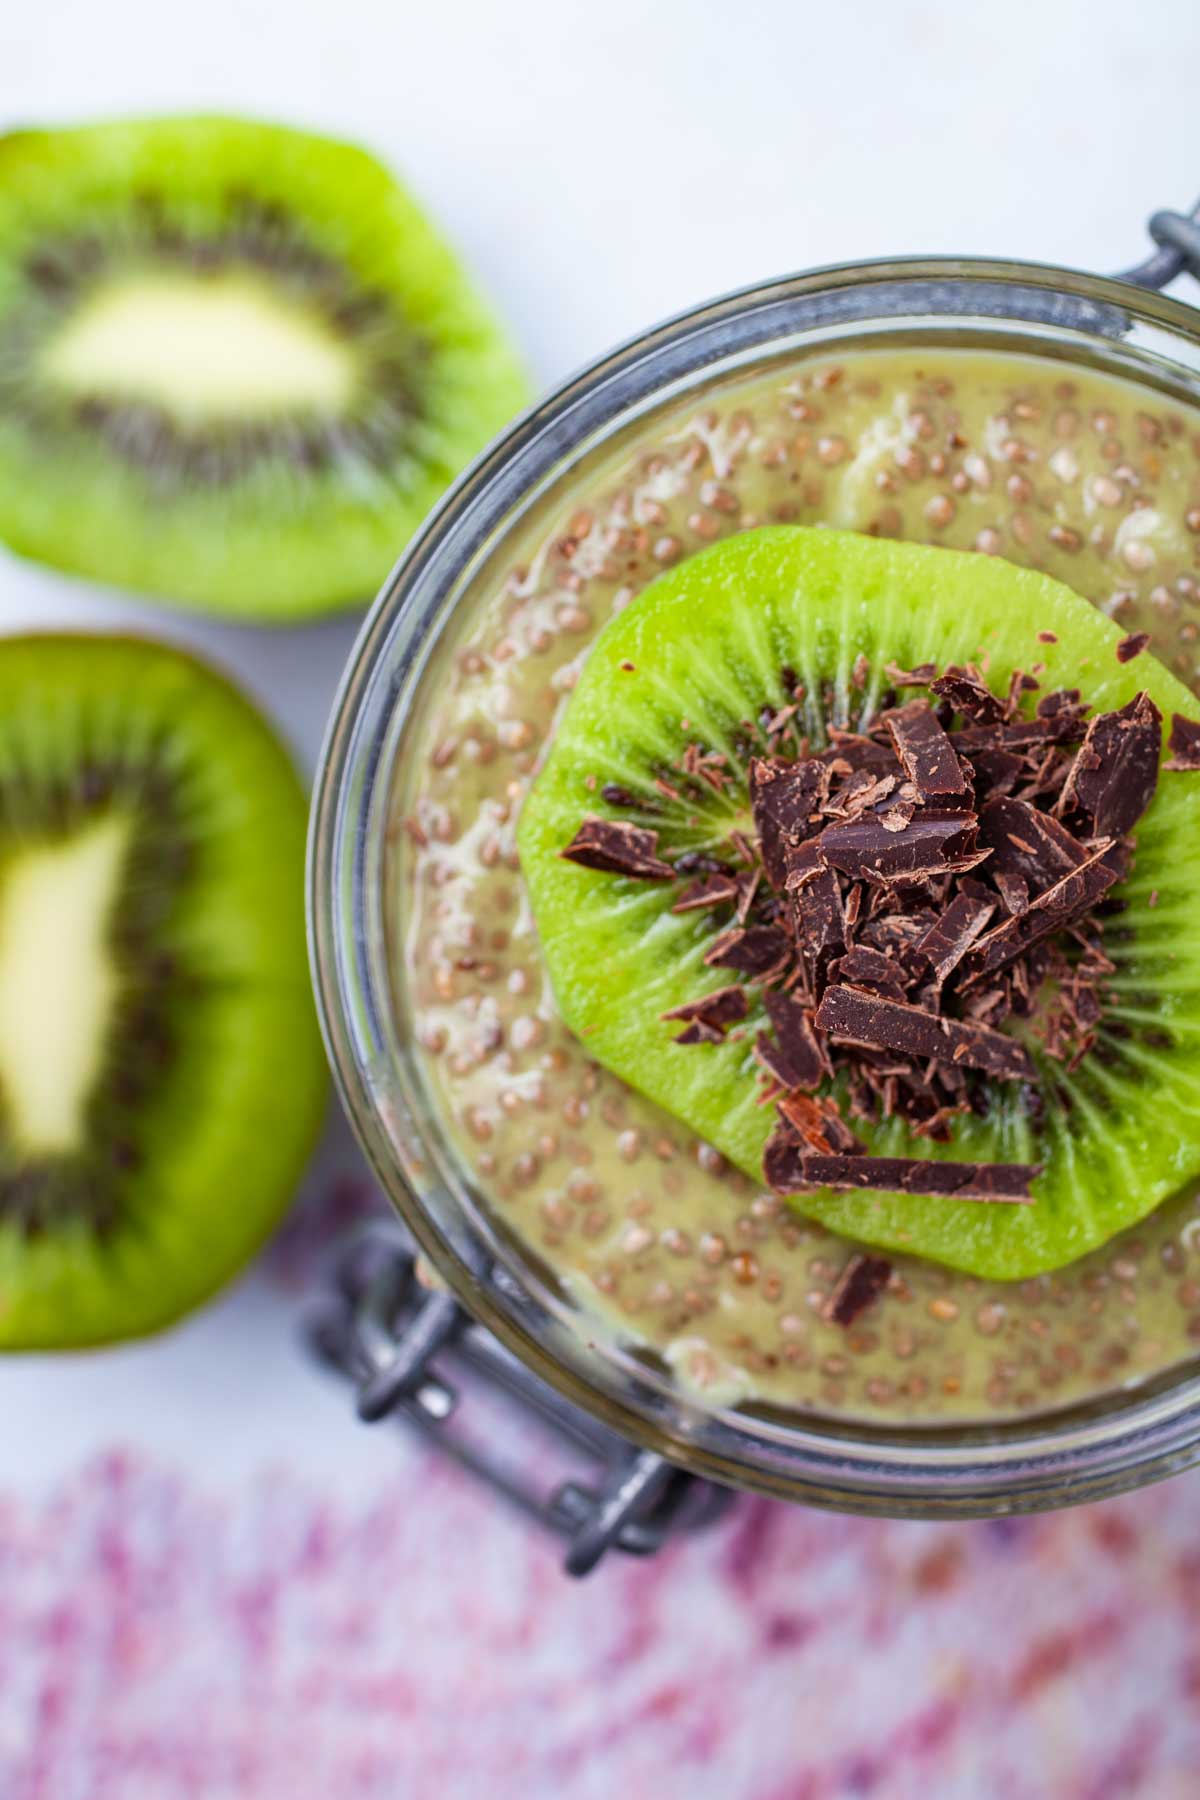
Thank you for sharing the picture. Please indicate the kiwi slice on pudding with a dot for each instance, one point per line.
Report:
(161, 1073)
(238, 365)
(787, 642)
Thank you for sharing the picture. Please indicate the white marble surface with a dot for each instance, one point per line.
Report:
(599, 167)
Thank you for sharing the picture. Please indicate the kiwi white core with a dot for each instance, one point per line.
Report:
(58, 982)
(202, 348)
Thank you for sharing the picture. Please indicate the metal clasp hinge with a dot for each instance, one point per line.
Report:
(1178, 238)
(413, 1353)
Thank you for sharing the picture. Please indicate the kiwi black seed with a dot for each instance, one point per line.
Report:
(237, 363)
(1115, 1135)
(161, 1075)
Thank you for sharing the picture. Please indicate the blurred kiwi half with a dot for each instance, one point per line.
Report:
(161, 1074)
(238, 365)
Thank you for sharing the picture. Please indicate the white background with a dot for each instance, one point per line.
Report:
(599, 166)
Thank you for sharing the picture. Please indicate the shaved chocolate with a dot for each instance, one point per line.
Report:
(818, 1123)
(820, 925)
(803, 1057)
(716, 1011)
(1019, 683)
(944, 943)
(616, 795)
(996, 771)
(1115, 771)
(706, 891)
(931, 844)
(871, 969)
(1060, 906)
(969, 695)
(1062, 703)
(1030, 850)
(805, 1170)
(747, 884)
(1184, 743)
(857, 752)
(783, 799)
(1132, 646)
(1061, 725)
(847, 1012)
(859, 1285)
(920, 676)
(865, 788)
(897, 932)
(926, 754)
(756, 951)
(700, 1032)
(618, 849)
(783, 1159)
(699, 862)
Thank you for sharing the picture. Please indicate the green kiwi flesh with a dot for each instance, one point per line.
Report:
(161, 1073)
(694, 658)
(238, 365)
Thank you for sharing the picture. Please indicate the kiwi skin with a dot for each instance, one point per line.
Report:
(279, 517)
(223, 1060)
(707, 642)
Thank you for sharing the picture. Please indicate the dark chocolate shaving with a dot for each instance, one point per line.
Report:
(803, 1170)
(706, 891)
(1063, 725)
(717, 1011)
(615, 795)
(996, 772)
(1132, 646)
(804, 1058)
(871, 969)
(856, 752)
(700, 1032)
(969, 695)
(756, 951)
(859, 1285)
(618, 849)
(1059, 907)
(1030, 849)
(819, 923)
(1115, 772)
(863, 1018)
(1184, 743)
(944, 943)
(926, 754)
(932, 843)
(783, 799)
(817, 1122)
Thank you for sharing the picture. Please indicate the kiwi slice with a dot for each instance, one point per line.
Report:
(161, 1073)
(237, 363)
(694, 659)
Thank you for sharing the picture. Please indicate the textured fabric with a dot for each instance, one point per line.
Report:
(157, 1642)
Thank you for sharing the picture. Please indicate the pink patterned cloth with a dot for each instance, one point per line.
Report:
(161, 1642)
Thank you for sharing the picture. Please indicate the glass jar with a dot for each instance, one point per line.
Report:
(1085, 1453)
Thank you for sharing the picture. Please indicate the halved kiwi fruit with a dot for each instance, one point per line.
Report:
(237, 363)
(161, 1074)
(695, 658)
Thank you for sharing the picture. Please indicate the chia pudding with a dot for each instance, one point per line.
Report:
(1090, 478)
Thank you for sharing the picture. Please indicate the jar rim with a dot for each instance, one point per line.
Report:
(1088, 1452)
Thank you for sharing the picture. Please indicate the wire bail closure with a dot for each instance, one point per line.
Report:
(1178, 238)
(413, 1353)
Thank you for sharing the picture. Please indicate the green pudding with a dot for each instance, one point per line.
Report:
(1088, 478)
